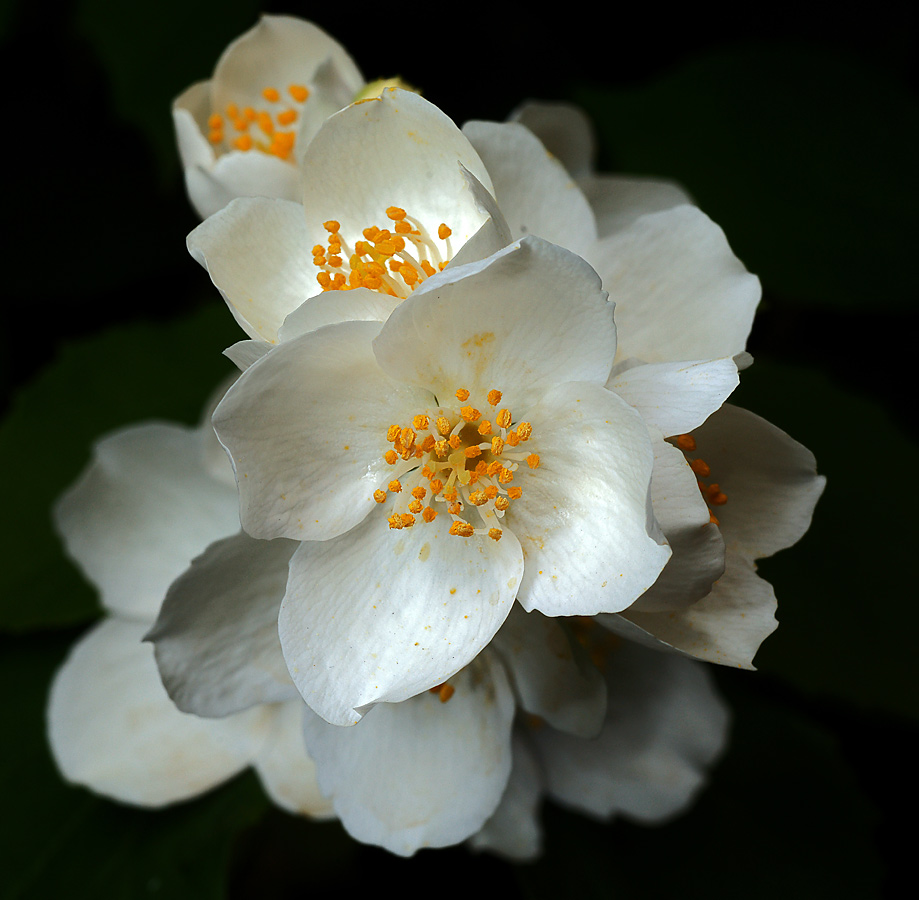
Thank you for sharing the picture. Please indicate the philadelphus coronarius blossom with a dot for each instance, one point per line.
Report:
(239, 134)
(154, 496)
(436, 467)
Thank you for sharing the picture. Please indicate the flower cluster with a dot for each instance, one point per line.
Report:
(479, 505)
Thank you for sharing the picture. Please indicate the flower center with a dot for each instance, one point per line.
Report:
(465, 464)
(712, 492)
(392, 261)
(260, 129)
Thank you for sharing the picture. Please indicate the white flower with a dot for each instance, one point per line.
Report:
(241, 132)
(464, 453)
(395, 161)
(152, 497)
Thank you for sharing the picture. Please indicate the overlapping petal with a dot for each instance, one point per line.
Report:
(664, 728)
(680, 292)
(584, 520)
(161, 469)
(376, 615)
(422, 773)
(306, 430)
(552, 673)
(113, 728)
(528, 317)
(216, 637)
(516, 160)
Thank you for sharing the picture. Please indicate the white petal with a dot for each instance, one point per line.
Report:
(514, 831)
(676, 397)
(216, 637)
(380, 615)
(306, 429)
(285, 769)
(665, 726)
(244, 353)
(725, 627)
(680, 292)
(528, 317)
(552, 674)
(143, 508)
(770, 481)
(190, 111)
(332, 307)
(617, 200)
(394, 150)
(421, 773)
(259, 256)
(584, 520)
(696, 542)
(277, 52)
(535, 193)
(565, 131)
(113, 729)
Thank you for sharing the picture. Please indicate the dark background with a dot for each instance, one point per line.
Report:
(796, 131)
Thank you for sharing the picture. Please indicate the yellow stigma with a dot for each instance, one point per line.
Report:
(448, 460)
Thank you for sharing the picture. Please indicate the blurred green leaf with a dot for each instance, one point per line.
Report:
(782, 816)
(120, 377)
(65, 842)
(806, 158)
(152, 56)
(847, 599)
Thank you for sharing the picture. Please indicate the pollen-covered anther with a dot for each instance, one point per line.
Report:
(379, 496)
(462, 529)
(701, 468)
(428, 514)
(524, 430)
(485, 428)
(462, 395)
(495, 534)
(533, 460)
(494, 397)
(470, 413)
(407, 520)
(504, 418)
(686, 442)
(395, 486)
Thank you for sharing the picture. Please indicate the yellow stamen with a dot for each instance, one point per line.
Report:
(443, 232)
(379, 496)
(533, 460)
(395, 486)
(495, 534)
(462, 395)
